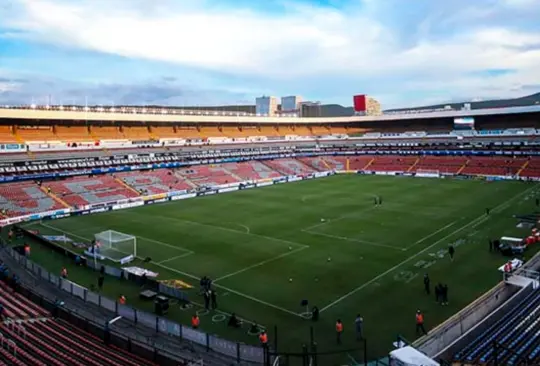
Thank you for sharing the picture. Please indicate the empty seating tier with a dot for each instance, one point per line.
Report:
(517, 330)
(32, 337)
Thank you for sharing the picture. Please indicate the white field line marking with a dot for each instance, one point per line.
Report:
(235, 292)
(375, 279)
(430, 235)
(412, 278)
(353, 240)
(189, 275)
(352, 214)
(245, 227)
(177, 257)
(480, 222)
(262, 263)
(271, 238)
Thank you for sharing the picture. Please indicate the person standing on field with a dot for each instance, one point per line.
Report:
(426, 284)
(444, 294)
(359, 325)
(339, 330)
(420, 323)
(451, 251)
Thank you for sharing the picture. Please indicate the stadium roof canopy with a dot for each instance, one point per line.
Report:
(165, 116)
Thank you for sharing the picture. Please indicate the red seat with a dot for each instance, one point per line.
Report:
(96, 342)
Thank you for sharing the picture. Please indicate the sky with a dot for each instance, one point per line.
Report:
(404, 53)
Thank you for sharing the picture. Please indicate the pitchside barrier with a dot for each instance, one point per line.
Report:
(238, 351)
(473, 319)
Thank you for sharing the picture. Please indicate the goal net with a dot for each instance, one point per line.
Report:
(116, 246)
(428, 173)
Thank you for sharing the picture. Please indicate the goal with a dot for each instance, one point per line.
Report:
(116, 246)
(428, 173)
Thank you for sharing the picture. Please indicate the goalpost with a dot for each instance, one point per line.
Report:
(116, 246)
(428, 173)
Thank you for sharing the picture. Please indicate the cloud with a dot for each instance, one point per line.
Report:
(158, 92)
(395, 49)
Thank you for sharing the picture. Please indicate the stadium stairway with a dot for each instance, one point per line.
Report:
(326, 163)
(239, 179)
(127, 186)
(523, 167)
(414, 165)
(366, 166)
(55, 197)
(308, 167)
(185, 179)
(463, 166)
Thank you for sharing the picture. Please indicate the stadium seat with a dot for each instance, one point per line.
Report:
(36, 133)
(289, 167)
(251, 170)
(155, 181)
(518, 329)
(6, 134)
(79, 191)
(106, 133)
(24, 198)
(136, 133)
(72, 133)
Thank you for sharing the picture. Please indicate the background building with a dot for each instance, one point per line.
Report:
(366, 106)
(266, 106)
(291, 104)
(311, 109)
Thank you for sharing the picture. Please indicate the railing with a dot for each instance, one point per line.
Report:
(235, 350)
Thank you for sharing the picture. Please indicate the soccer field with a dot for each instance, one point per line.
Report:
(324, 241)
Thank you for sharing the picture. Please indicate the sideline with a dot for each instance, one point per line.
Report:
(430, 235)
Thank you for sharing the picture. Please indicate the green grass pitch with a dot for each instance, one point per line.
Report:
(362, 259)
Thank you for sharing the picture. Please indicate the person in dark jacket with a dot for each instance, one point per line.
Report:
(438, 294)
(426, 284)
(213, 297)
(444, 289)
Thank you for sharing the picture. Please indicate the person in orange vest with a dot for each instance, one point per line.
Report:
(339, 330)
(64, 272)
(195, 321)
(263, 338)
(27, 249)
(420, 323)
(122, 300)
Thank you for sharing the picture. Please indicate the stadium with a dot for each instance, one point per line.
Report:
(120, 246)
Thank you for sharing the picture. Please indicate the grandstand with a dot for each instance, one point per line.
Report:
(115, 160)
(32, 336)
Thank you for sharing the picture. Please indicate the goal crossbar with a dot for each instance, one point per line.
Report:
(116, 246)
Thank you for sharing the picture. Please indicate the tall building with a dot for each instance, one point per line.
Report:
(290, 104)
(266, 106)
(310, 109)
(366, 106)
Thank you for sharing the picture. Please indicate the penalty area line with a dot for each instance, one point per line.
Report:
(262, 263)
(176, 257)
(193, 277)
(249, 297)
